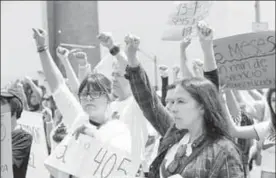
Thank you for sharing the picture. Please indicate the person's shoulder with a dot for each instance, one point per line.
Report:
(226, 145)
(20, 136)
(22, 133)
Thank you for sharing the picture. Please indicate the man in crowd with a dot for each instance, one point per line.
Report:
(21, 140)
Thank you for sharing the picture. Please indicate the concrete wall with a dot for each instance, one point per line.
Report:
(78, 23)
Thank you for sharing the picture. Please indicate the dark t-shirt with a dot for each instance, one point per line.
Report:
(21, 147)
(213, 77)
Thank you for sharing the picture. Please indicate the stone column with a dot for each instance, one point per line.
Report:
(78, 23)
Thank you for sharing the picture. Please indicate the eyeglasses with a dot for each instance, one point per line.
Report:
(92, 95)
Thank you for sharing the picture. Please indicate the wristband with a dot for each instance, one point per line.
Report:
(114, 50)
(42, 48)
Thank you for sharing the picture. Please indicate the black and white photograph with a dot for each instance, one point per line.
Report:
(138, 89)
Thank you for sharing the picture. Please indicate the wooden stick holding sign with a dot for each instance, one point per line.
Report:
(6, 146)
(87, 157)
(247, 61)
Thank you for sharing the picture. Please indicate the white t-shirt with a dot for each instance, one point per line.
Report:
(267, 135)
(130, 113)
(114, 133)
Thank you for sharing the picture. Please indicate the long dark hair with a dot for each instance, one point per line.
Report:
(273, 114)
(206, 94)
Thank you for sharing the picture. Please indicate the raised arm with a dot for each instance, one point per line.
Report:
(175, 70)
(63, 55)
(183, 58)
(205, 34)
(84, 66)
(244, 132)
(143, 91)
(68, 105)
(108, 42)
(37, 91)
(163, 70)
(233, 106)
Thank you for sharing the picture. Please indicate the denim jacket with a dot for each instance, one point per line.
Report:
(217, 158)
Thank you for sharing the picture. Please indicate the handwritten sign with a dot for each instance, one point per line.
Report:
(32, 122)
(6, 146)
(87, 158)
(183, 19)
(247, 61)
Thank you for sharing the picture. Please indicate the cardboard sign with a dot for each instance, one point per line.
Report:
(262, 26)
(32, 122)
(6, 146)
(89, 158)
(183, 19)
(246, 61)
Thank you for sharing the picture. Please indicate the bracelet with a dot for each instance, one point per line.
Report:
(114, 50)
(42, 48)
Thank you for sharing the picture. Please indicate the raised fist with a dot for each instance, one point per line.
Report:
(106, 39)
(81, 57)
(132, 45)
(164, 70)
(176, 70)
(204, 31)
(40, 37)
(185, 43)
(62, 53)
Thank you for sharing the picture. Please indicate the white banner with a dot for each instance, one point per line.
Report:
(183, 19)
(6, 146)
(32, 122)
(88, 158)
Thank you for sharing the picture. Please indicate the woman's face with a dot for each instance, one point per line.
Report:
(186, 111)
(272, 101)
(94, 103)
(169, 99)
(34, 99)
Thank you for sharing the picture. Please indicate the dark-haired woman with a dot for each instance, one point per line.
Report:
(195, 140)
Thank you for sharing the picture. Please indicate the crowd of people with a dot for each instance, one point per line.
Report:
(194, 127)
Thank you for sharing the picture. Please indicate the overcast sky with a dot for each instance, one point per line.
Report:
(143, 18)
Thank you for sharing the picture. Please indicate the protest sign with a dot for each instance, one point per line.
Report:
(246, 61)
(183, 19)
(32, 122)
(6, 146)
(89, 158)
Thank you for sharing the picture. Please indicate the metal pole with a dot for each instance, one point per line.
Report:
(257, 12)
(155, 73)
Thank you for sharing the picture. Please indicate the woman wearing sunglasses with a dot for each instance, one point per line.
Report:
(195, 140)
(90, 115)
